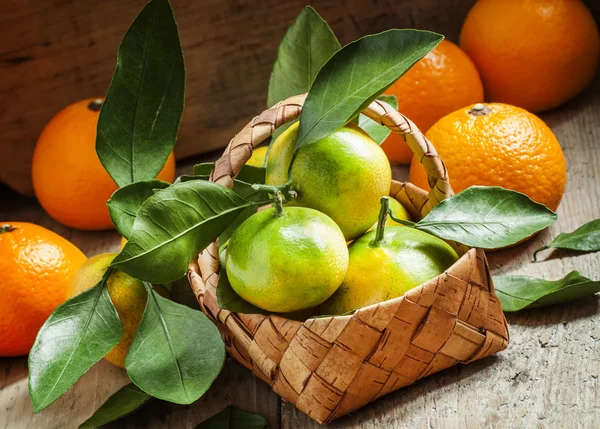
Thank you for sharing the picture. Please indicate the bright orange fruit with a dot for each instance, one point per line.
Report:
(37, 266)
(498, 145)
(535, 54)
(441, 82)
(69, 180)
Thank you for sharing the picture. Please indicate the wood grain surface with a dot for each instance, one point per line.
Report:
(548, 377)
(56, 52)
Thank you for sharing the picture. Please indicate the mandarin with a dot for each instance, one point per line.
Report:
(442, 81)
(497, 144)
(69, 181)
(37, 266)
(535, 54)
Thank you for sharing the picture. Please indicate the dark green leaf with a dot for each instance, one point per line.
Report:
(520, 292)
(234, 418)
(76, 336)
(487, 217)
(124, 204)
(377, 131)
(177, 352)
(586, 238)
(139, 120)
(306, 46)
(125, 401)
(181, 293)
(174, 225)
(229, 300)
(355, 75)
(248, 173)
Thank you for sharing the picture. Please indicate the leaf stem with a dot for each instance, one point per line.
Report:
(402, 221)
(383, 214)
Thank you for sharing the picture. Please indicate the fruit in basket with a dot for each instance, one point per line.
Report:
(127, 294)
(37, 266)
(284, 260)
(535, 54)
(442, 81)
(496, 144)
(385, 264)
(398, 211)
(69, 180)
(343, 175)
(258, 157)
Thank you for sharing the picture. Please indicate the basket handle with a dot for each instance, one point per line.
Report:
(262, 127)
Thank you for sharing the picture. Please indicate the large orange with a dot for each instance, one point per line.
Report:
(441, 82)
(69, 180)
(498, 145)
(36, 267)
(535, 54)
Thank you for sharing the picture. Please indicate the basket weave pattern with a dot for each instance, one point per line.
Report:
(330, 366)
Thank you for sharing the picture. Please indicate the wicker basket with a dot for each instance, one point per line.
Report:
(330, 366)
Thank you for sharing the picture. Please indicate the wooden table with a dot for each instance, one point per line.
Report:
(548, 377)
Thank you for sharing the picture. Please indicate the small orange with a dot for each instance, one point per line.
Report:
(69, 180)
(535, 54)
(37, 266)
(441, 82)
(498, 145)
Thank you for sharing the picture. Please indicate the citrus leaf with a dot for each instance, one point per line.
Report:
(121, 403)
(228, 299)
(248, 173)
(174, 225)
(520, 292)
(306, 46)
(355, 75)
(586, 238)
(487, 217)
(377, 131)
(234, 418)
(139, 120)
(124, 204)
(76, 336)
(177, 352)
(181, 293)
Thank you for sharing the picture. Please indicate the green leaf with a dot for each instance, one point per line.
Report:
(355, 75)
(228, 299)
(487, 217)
(248, 173)
(174, 225)
(586, 238)
(123, 402)
(234, 418)
(76, 336)
(177, 352)
(124, 204)
(377, 131)
(520, 292)
(139, 120)
(306, 46)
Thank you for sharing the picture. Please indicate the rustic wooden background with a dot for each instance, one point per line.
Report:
(549, 376)
(55, 52)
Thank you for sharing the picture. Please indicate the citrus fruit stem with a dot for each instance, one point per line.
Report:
(6, 228)
(278, 204)
(383, 214)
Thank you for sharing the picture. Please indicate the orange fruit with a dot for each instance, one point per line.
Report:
(441, 82)
(69, 180)
(498, 145)
(37, 266)
(535, 54)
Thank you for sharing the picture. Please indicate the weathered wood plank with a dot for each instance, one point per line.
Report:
(53, 53)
